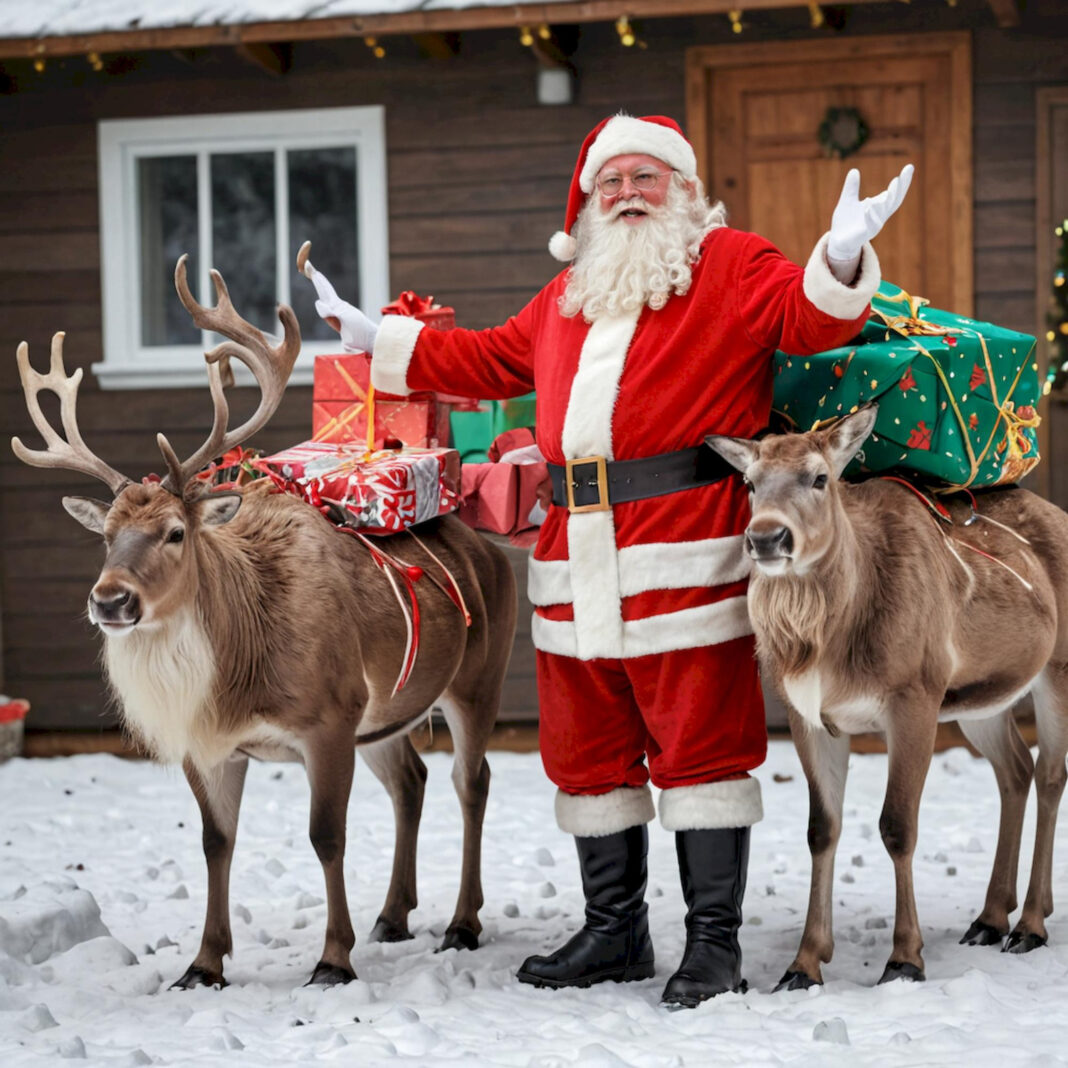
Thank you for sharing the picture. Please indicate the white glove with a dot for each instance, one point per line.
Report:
(856, 221)
(356, 330)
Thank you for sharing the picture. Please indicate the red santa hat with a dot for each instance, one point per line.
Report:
(620, 135)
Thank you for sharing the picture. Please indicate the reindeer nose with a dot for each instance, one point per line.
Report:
(768, 543)
(114, 606)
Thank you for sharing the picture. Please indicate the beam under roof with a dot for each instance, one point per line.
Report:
(405, 22)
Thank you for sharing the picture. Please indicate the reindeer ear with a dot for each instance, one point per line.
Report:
(88, 511)
(738, 452)
(218, 508)
(845, 438)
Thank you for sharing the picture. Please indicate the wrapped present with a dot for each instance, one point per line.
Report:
(377, 493)
(342, 401)
(12, 716)
(957, 398)
(502, 495)
(422, 308)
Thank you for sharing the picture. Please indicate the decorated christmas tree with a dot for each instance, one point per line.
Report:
(1057, 317)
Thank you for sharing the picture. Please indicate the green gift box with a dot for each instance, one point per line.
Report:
(473, 431)
(957, 398)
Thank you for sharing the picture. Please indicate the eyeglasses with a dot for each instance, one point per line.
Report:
(643, 181)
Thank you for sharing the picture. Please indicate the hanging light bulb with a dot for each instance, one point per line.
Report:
(376, 49)
(815, 14)
(95, 61)
(627, 37)
(39, 65)
(735, 15)
(526, 38)
(544, 32)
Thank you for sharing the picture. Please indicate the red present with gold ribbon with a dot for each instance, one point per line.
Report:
(378, 493)
(342, 401)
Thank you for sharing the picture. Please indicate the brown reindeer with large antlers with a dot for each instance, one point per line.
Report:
(244, 624)
(872, 614)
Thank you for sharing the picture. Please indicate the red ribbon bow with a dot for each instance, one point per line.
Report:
(409, 303)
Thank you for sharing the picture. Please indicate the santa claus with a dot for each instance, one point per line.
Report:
(659, 332)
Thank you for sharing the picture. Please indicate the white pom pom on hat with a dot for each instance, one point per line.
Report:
(620, 135)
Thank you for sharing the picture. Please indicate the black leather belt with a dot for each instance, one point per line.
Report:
(594, 484)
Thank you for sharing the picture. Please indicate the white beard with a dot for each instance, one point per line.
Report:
(620, 267)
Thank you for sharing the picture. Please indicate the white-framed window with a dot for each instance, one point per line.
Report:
(239, 192)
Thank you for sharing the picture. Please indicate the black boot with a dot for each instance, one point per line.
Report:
(712, 865)
(614, 943)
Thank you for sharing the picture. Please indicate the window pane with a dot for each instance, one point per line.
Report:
(322, 210)
(243, 233)
(167, 191)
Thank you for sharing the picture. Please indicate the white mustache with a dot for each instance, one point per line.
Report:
(633, 202)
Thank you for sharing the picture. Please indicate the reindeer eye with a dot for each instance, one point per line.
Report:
(748, 485)
(176, 536)
(819, 482)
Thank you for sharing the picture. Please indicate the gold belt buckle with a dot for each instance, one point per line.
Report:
(601, 504)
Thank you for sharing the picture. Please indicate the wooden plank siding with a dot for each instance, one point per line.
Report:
(478, 176)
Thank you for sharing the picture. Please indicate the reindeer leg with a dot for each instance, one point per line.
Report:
(398, 767)
(825, 760)
(219, 796)
(1051, 720)
(329, 758)
(470, 731)
(910, 740)
(998, 739)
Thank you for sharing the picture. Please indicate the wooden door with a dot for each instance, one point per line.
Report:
(754, 113)
(1051, 191)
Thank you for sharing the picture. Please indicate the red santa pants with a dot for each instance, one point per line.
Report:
(696, 715)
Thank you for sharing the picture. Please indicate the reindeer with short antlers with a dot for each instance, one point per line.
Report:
(871, 614)
(243, 624)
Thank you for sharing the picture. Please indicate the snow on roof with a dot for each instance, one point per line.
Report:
(60, 18)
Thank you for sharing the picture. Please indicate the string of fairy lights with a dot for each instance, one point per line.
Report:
(1057, 316)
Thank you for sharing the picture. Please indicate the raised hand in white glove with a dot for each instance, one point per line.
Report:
(857, 221)
(356, 330)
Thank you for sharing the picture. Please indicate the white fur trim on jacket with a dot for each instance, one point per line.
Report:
(591, 536)
(624, 135)
(595, 815)
(689, 628)
(712, 805)
(394, 345)
(657, 565)
(833, 297)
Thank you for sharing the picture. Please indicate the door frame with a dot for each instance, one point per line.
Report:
(703, 61)
(1046, 100)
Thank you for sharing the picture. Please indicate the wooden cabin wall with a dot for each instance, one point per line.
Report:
(478, 176)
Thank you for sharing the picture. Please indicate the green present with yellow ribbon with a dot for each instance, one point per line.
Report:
(957, 398)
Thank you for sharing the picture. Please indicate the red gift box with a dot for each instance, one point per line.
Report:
(380, 493)
(422, 308)
(339, 407)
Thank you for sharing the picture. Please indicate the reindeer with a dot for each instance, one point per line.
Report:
(244, 624)
(871, 613)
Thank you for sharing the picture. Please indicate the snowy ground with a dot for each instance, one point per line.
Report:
(102, 894)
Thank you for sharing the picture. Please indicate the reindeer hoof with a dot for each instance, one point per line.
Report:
(197, 976)
(796, 981)
(982, 934)
(1023, 942)
(330, 975)
(898, 969)
(458, 938)
(388, 931)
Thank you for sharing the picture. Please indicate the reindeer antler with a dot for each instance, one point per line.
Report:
(271, 366)
(72, 454)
